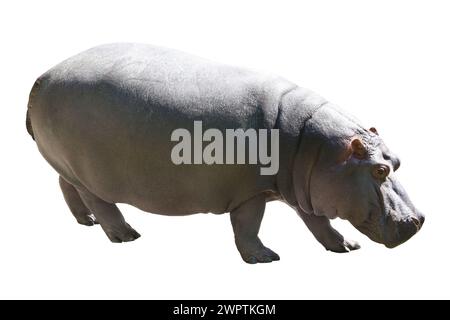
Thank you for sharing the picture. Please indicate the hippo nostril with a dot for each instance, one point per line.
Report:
(422, 220)
(417, 223)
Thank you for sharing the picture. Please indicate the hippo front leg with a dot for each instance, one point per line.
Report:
(322, 230)
(246, 220)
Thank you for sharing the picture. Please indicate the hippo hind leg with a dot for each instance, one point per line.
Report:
(109, 217)
(75, 204)
(246, 221)
(89, 209)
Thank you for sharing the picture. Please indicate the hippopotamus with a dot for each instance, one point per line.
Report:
(104, 120)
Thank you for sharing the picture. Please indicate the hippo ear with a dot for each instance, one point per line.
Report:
(373, 130)
(358, 149)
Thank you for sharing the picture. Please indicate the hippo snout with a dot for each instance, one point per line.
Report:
(406, 229)
(418, 221)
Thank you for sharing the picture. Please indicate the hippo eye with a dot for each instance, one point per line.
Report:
(380, 172)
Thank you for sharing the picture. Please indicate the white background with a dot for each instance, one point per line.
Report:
(386, 62)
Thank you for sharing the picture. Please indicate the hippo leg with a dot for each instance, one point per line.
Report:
(109, 217)
(324, 233)
(76, 205)
(246, 220)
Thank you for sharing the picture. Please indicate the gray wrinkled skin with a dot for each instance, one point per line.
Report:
(103, 121)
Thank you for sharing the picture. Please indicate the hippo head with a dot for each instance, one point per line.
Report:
(343, 170)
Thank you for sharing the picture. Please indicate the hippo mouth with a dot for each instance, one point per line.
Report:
(404, 229)
(392, 234)
(393, 219)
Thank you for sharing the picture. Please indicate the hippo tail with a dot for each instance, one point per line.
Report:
(28, 119)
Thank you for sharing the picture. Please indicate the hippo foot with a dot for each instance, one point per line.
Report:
(87, 220)
(124, 234)
(257, 254)
(343, 246)
(322, 230)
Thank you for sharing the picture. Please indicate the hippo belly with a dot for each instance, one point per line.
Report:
(103, 119)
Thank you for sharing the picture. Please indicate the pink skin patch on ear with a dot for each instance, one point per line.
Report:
(358, 148)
